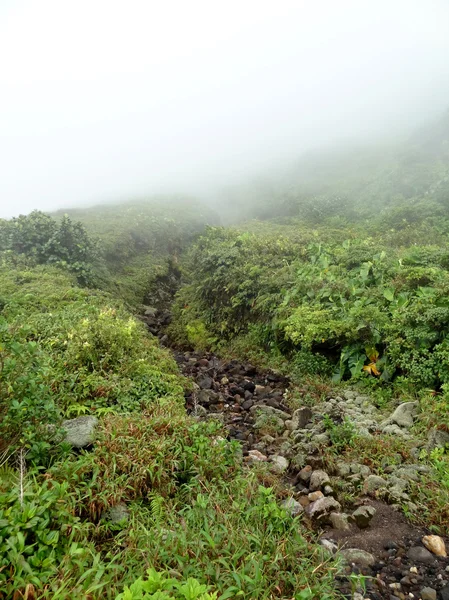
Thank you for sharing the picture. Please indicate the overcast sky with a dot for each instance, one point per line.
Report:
(105, 99)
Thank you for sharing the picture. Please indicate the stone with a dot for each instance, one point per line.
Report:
(420, 554)
(302, 416)
(117, 514)
(262, 409)
(80, 432)
(435, 544)
(444, 593)
(358, 557)
(315, 496)
(362, 516)
(205, 383)
(437, 438)
(318, 479)
(293, 507)
(255, 456)
(305, 474)
(322, 439)
(279, 464)
(373, 483)
(329, 545)
(199, 411)
(328, 490)
(339, 521)
(322, 508)
(343, 469)
(428, 593)
(403, 415)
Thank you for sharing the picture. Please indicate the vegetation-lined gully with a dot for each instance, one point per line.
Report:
(386, 555)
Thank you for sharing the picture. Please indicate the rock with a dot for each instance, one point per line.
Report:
(328, 491)
(343, 469)
(315, 496)
(420, 554)
(255, 456)
(302, 416)
(339, 521)
(279, 464)
(362, 516)
(259, 390)
(293, 507)
(358, 557)
(329, 545)
(262, 409)
(117, 514)
(373, 483)
(444, 593)
(403, 415)
(205, 383)
(247, 404)
(322, 508)
(321, 439)
(435, 544)
(318, 479)
(428, 593)
(305, 474)
(437, 439)
(199, 411)
(80, 432)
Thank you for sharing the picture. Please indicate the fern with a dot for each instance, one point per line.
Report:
(157, 508)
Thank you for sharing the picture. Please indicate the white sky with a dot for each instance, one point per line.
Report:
(102, 99)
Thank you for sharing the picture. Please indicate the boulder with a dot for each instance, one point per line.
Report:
(279, 464)
(362, 516)
(293, 507)
(318, 479)
(339, 521)
(420, 554)
(358, 557)
(437, 438)
(80, 432)
(322, 508)
(302, 416)
(373, 483)
(435, 544)
(403, 415)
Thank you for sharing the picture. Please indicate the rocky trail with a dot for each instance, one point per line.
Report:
(351, 509)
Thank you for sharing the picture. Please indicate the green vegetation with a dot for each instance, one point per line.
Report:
(345, 280)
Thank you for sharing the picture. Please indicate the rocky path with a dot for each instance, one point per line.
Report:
(385, 555)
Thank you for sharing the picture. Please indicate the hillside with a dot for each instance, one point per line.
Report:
(258, 410)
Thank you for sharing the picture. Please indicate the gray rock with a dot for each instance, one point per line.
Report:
(322, 439)
(420, 554)
(80, 432)
(293, 507)
(428, 593)
(373, 483)
(444, 593)
(358, 557)
(318, 479)
(305, 474)
(343, 469)
(403, 415)
(117, 514)
(437, 439)
(279, 464)
(205, 383)
(339, 521)
(362, 516)
(262, 409)
(322, 508)
(331, 546)
(302, 416)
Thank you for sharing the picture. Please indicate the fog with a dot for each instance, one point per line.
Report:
(102, 100)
